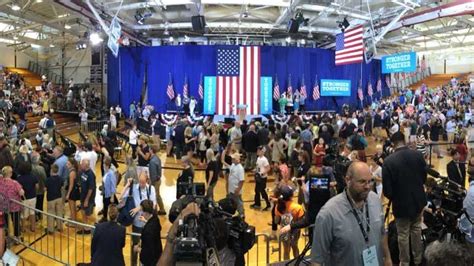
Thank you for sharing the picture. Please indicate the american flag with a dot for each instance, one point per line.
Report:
(238, 79)
(350, 46)
(316, 89)
(276, 90)
(423, 63)
(360, 93)
(387, 80)
(289, 90)
(201, 88)
(303, 88)
(370, 92)
(185, 87)
(379, 84)
(170, 89)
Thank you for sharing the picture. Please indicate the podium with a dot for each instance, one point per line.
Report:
(242, 111)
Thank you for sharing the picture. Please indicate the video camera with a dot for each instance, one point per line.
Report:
(199, 238)
(447, 197)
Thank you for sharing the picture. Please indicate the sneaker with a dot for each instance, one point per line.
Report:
(161, 213)
(254, 206)
(266, 208)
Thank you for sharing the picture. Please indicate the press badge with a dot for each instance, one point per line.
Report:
(369, 257)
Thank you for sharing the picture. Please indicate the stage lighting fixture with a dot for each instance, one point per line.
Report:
(166, 32)
(186, 38)
(95, 38)
(51, 46)
(15, 7)
(345, 23)
(310, 35)
(67, 27)
(303, 41)
(171, 39)
(81, 45)
(288, 39)
(15, 37)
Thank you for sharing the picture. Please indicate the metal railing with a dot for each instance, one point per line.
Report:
(71, 248)
(96, 125)
(40, 70)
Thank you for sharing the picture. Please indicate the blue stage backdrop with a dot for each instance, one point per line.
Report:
(126, 73)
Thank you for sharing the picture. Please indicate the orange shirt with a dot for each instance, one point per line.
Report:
(292, 208)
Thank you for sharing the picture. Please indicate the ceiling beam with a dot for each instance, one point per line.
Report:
(331, 10)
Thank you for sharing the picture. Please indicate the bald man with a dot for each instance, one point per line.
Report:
(349, 229)
(88, 188)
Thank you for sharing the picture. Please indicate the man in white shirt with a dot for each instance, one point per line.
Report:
(450, 130)
(236, 182)
(261, 173)
(90, 155)
(83, 115)
(118, 111)
(132, 140)
(42, 122)
(192, 105)
(69, 97)
(113, 120)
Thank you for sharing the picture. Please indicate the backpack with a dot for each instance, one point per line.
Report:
(50, 123)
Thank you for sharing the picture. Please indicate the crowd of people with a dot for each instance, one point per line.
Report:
(399, 133)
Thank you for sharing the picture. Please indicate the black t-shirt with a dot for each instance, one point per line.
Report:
(141, 160)
(214, 167)
(435, 129)
(185, 175)
(28, 182)
(87, 183)
(53, 186)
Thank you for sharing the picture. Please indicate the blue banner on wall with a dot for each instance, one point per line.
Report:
(266, 101)
(335, 87)
(404, 62)
(209, 95)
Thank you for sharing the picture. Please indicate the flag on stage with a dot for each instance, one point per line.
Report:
(316, 89)
(289, 90)
(185, 87)
(370, 92)
(201, 89)
(387, 80)
(379, 85)
(276, 90)
(238, 79)
(170, 89)
(350, 46)
(303, 88)
(360, 93)
(423, 63)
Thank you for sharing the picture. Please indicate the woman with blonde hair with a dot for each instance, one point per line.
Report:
(212, 173)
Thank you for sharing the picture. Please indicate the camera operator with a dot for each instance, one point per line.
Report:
(456, 170)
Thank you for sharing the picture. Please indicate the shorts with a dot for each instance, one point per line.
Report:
(89, 210)
(31, 203)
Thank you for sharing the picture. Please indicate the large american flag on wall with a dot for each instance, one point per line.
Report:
(238, 79)
(350, 46)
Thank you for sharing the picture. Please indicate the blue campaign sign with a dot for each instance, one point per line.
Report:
(335, 87)
(266, 101)
(404, 62)
(209, 95)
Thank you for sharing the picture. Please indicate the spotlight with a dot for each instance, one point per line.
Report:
(171, 39)
(81, 45)
(15, 7)
(15, 37)
(95, 38)
(51, 46)
(310, 35)
(288, 39)
(303, 41)
(67, 27)
(186, 38)
(166, 32)
(141, 15)
(344, 24)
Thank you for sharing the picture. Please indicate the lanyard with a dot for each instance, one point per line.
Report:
(359, 221)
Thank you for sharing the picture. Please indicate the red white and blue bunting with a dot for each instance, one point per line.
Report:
(168, 119)
(279, 118)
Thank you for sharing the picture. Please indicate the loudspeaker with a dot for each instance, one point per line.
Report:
(229, 120)
(198, 23)
(293, 26)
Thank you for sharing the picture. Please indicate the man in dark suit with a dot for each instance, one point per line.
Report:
(108, 241)
(456, 170)
(403, 175)
(150, 247)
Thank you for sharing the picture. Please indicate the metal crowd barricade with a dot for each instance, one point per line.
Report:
(96, 125)
(67, 249)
